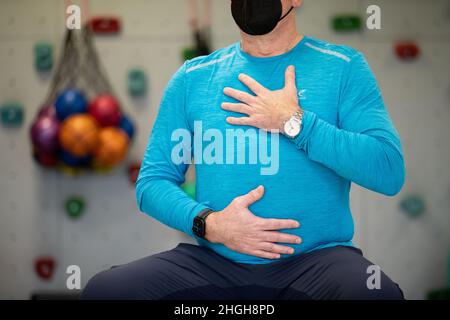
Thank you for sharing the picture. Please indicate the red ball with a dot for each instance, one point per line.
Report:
(47, 111)
(45, 159)
(106, 110)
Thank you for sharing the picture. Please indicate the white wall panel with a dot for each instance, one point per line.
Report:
(32, 219)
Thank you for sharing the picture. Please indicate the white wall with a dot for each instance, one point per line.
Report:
(32, 219)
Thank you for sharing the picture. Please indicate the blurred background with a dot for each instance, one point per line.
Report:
(57, 211)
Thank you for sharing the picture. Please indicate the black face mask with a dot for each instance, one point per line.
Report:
(257, 17)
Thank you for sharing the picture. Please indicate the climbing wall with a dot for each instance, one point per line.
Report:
(413, 251)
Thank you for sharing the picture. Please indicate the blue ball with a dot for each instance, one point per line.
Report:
(127, 126)
(69, 102)
(73, 161)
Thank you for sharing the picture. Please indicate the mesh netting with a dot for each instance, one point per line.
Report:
(79, 67)
(81, 124)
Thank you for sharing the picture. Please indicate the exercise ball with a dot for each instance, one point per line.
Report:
(44, 134)
(106, 110)
(112, 147)
(45, 159)
(72, 161)
(47, 111)
(127, 126)
(69, 102)
(79, 135)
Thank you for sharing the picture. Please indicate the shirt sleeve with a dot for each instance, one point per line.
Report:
(158, 191)
(364, 147)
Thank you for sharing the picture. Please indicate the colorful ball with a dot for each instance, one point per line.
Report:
(127, 126)
(106, 110)
(47, 111)
(72, 161)
(112, 147)
(45, 159)
(70, 171)
(70, 102)
(44, 134)
(79, 135)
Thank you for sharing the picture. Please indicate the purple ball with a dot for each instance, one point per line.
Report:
(47, 111)
(44, 133)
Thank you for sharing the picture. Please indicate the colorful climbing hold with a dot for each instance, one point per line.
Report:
(133, 172)
(413, 205)
(74, 207)
(137, 82)
(189, 53)
(189, 188)
(45, 267)
(345, 23)
(439, 294)
(448, 271)
(407, 50)
(43, 56)
(105, 25)
(12, 114)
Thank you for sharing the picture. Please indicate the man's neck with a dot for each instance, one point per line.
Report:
(282, 39)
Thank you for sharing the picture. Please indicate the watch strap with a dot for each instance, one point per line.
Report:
(204, 213)
(199, 223)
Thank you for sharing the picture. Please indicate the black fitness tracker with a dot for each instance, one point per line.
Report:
(199, 225)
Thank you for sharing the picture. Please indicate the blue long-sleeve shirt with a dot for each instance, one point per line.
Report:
(347, 136)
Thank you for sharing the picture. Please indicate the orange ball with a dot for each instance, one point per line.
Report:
(112, 147)
(79, 135)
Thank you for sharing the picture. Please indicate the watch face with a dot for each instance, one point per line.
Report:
(292, 128)
(199, 227)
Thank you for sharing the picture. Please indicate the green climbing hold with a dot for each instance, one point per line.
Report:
(75, 207)
(12, 114)
(189, 188)
(190, 53)
(345, 23)
(439, 294)
(413, 205)
(137, 82)
(448, 271)
(43, 56)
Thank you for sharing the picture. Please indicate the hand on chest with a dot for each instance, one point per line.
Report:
(234, 95)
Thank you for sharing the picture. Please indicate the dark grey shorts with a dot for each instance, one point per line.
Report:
(194, 272)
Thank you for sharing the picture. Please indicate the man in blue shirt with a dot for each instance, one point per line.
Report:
(278, 126)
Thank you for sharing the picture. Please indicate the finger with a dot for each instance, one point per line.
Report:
(237, 107)
(280, 237)
(242, 121)
(264, 254)
(277, 224)
(252, 84)
(251, 197)
(275, 248)
(290, 79)
(239, 95)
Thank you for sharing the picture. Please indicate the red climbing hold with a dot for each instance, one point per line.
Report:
(133, 172)
(44, 267)
(407, 50)
(105, 25)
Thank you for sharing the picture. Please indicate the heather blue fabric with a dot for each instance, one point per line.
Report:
(347, 136)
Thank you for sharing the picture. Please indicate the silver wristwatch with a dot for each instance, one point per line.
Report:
(293, 126)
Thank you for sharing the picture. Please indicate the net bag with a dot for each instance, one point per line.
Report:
(81, 125)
